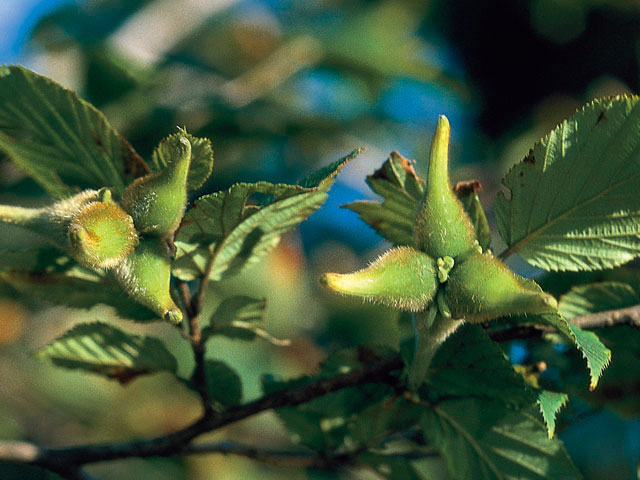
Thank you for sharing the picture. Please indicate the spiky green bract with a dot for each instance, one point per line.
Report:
(481, 287)
(101, 235)
(402, 278)
(442, 227)
(146, 274)
(51, 223)
(156, 202)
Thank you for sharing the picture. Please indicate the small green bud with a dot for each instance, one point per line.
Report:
(156, 202)
(146, 275)
(402, 278)
(442, 227)
(101, 235)
(481, 288)
(445, 264)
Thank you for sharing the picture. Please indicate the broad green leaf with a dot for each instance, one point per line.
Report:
(482, 439)
(550, 404)
(390, 467)
(382, 419)
(236, 228)
(401, 188)
(201, 158)
(469, 364)
(241, 318)
(597, 297)
(324, 423)
(76, 290)
(109, 351)
(468, 194)
(574, 203)
(588, 343)
(223, 383)
(61, 141)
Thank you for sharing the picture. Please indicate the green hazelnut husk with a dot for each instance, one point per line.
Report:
(402, 278)
(442, 227)
(481, 288)
(157, 201)
(102, 235)
(146, 275)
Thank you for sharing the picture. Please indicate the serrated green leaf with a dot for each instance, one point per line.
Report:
(324, 177)
(237, 227)
(240, 317)
(469, 364)
(550, 404)
(401, 188)
(484, 440)
(109, 351)
(223, 383)
(467, 192)
(588, 343)
(574, 203)
(76, 290)
(597, 297)
(61, 141)
(201, 158)
(389, 467)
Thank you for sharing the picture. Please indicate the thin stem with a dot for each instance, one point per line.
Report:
(71, 458)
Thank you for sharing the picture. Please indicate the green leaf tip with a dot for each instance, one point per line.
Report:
(402, 278)
(442, 227)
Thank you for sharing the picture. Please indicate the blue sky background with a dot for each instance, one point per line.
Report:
(17, 17)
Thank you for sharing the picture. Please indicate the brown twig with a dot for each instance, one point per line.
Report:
(71, 458)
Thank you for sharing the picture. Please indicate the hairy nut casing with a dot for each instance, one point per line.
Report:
(156, 202)
(146, 276)
(402, 278)
(442, 227)
(102, 235)
(482, 288)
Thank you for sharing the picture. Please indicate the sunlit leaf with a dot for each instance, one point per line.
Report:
(574, 203)
(109, 351)
(401, 189)
(482, 439)
(61, 141)
(597, 297)
(236, 228)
